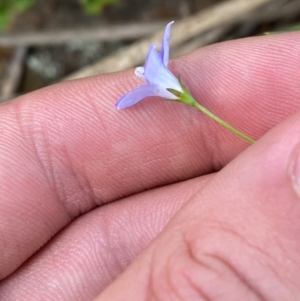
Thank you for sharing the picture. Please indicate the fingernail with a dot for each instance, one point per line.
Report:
(295, 170)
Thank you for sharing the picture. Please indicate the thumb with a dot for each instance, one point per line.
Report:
(237, 239)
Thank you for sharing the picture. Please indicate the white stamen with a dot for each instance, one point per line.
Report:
(140, 72)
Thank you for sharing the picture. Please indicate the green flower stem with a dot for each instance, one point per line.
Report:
(187, 98)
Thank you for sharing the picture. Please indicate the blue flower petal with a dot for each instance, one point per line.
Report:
(153, 64)
(165, 47)
(136, 95)
(156, 73)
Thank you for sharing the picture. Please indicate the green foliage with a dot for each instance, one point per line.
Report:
(95, 6)
(10, 7)
(291, 27)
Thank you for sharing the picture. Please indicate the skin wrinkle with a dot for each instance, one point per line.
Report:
(47, 166)
(206, 145)
(18, 121)
(279, 244)
(194, 258)
(89, 199)
(72, 265)
(174, 289)
(91, 190)
(220, 256)
(49, 177)
(41, 161)
(152, 276)
(110, 246)
(196, 288)
(216, 165)
(68, 193)
(62, 196)
(103, 125)
(169, 273)
(74, 277)
(168, 276)
(74, 207)
(192, 254)
(87, 193)
(110, 238)
(38, 136)
(28, 135)
(283, 278)
(243, 280)
(150, 292)
(82, 260)
(60, 192)
(291, 170)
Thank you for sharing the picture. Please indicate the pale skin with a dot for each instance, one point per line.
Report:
(220, 219)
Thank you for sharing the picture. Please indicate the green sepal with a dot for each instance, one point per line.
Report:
(175, 92)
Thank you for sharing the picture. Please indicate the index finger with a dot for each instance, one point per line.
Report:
(65, 149)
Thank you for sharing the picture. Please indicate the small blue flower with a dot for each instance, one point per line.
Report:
(159, 79)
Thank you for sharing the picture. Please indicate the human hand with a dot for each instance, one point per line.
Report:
(75, 213)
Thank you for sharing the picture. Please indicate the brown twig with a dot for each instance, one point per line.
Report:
(229, 12)
(11, 82)
(102, 33)
(280, 10)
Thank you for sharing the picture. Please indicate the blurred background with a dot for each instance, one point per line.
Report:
(46, 41)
